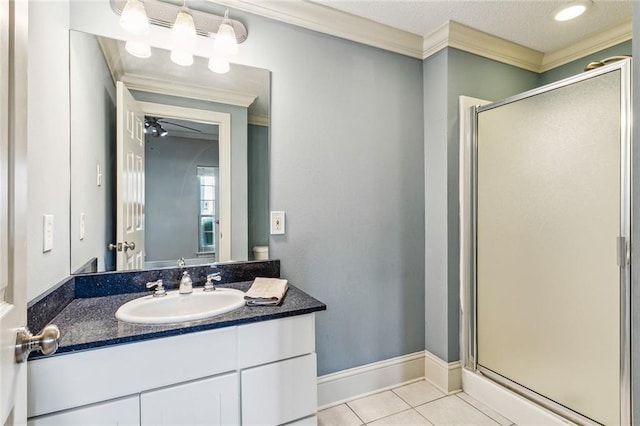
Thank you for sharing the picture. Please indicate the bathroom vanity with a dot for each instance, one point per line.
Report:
(252, 366)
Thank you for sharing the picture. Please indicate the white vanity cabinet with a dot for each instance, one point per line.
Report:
(263, 373)
(121, 412)
(214, 402)
(278, 370)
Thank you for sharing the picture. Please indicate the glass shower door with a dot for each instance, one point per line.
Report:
(551, 228)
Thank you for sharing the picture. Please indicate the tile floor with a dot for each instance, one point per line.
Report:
(419, 403)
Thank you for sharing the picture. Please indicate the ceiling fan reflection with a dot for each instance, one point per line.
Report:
(153, 126)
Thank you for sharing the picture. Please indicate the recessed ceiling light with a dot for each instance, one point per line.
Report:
(571, 10)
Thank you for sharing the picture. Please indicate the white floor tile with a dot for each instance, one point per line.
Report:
(405, 418)
(376, 406)
(419, 393)
(485, 409)
(340, 415)
(453, 411)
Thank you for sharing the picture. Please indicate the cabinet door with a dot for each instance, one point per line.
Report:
(122, 412)
(280, 392)
(212, 401)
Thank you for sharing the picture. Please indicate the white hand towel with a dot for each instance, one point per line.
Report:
(266, 291)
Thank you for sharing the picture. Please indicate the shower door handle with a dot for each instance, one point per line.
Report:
(624, 252)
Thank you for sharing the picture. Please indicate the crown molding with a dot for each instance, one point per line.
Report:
(435, 41)
(330, 21)
(608, 38)
(173, 88)
(486, 45)
(258, 120)
(318, 17)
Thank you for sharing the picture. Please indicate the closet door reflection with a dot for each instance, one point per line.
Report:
(547, 226)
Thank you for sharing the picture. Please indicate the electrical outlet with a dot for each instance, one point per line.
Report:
(277, 223)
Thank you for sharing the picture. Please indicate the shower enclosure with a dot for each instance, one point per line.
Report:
(546, 235)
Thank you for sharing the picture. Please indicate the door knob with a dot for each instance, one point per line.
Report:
(122, 246)
(46, 342)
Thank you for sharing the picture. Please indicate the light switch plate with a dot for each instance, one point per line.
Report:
(82, 227)
(277, 223)
(47, 233)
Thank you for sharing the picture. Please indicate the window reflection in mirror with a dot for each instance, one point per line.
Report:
(207, 203)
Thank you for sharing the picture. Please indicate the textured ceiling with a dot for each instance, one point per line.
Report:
(526, 22)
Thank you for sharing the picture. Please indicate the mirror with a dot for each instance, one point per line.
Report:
(183, 211)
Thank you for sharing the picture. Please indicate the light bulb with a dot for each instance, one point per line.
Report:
(226, 43)
(219, 64)
(134, 18)
(183, 37)
(137, 48)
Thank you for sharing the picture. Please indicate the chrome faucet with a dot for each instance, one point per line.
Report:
(186, 285)
(159, 288)
(181, 262)
(210, 278)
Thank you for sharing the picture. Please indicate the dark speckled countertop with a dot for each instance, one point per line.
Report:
(90, 323)
(84, 307)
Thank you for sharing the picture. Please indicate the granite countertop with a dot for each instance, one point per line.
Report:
(90, 323)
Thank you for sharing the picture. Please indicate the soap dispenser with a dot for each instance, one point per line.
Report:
(186, 285)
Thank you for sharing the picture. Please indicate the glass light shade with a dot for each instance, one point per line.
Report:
(137, 48)
(181, 57)
(134, 18)
(226, 43)
(219, 64)
(183, 37)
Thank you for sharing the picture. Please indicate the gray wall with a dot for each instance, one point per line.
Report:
(447, 75)
(577, 66)
(258, 175)
(172, 193)
(48, 143)
(93, 123)
(346, 167)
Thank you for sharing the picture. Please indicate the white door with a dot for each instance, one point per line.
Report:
(130, 182)
(13, 208)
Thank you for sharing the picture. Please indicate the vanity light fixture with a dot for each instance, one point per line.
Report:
(219, 64)
(226, 32)
(571, 10)
(226, 43)
(138, 48)
(183, 38)
(134, 18)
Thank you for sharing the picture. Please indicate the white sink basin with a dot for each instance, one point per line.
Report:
(175, 307)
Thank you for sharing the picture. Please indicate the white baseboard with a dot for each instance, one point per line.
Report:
(347, 385)
(519, 410)
(446, 376)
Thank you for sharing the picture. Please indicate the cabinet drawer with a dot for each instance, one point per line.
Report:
(117, 371)
(270, 341)
(213, 401)
(280, 392)
(122, 412)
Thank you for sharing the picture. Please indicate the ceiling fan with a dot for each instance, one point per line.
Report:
(153, 126)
